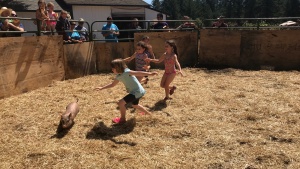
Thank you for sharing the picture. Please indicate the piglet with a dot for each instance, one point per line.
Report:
(67, 118)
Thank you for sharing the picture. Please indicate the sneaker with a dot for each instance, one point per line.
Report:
(117, 120)
(172, 90)
(142, 113)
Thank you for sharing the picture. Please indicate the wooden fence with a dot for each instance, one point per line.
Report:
(28, 63)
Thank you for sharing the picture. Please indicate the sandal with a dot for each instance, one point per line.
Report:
(172, 90)
(117, 120)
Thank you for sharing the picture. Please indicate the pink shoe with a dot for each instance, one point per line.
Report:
(172, 90)
(117, 120)
(142, 113)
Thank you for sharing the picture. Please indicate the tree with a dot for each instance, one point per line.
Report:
(292, 8)
(156, 4)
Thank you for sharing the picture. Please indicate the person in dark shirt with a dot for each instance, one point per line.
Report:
(160, 24)
(62, 25)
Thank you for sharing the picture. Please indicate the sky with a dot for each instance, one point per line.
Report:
(148, 1)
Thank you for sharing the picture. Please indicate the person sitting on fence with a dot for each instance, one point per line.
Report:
(42, 15)
(52, 18)
(220, 23)
(73, 34)
(62, 25)
(10, 24)
(110, 31)
(160, 24)
(187, 24)
(83, 32)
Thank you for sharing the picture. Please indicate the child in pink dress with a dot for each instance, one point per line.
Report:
(170, 61)
(52, 18)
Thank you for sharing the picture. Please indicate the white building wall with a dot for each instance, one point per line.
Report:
(92, 14)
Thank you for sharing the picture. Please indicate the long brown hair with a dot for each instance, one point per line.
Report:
(173, 44)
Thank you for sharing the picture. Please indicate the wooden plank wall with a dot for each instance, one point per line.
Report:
(186, 43)
(250, 49)
(28, 63)
(80, 60)
(106, 52)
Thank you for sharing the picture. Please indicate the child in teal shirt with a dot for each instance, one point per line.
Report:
(133, 87)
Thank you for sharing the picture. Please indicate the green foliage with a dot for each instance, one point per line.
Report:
(209, 9)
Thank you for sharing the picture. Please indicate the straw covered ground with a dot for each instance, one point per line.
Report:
(217, 119)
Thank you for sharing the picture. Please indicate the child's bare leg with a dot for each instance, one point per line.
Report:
(139, 78)
(141, 108)
(162, 84)
(167, 81)
(122, 108)
(145, 80)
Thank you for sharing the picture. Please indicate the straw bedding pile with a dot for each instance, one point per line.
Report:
(217, 119)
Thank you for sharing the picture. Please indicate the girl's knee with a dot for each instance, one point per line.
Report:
(121, 103)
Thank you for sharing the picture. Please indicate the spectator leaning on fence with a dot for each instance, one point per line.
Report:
(10, 24)
(220, 23)
(52, 18)
(73, 34)
(62, 25)
(83, 32)
(160, 24)
(42, 15)
(187, 24)
(110, 31)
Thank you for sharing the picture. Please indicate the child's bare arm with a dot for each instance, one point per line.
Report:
(142, 73)
(178, 65)
(128, 59)
(114, 83)
(162, 58)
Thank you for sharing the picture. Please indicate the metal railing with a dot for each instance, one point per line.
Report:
(146, 24)
(38, 30)
(258, 22)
